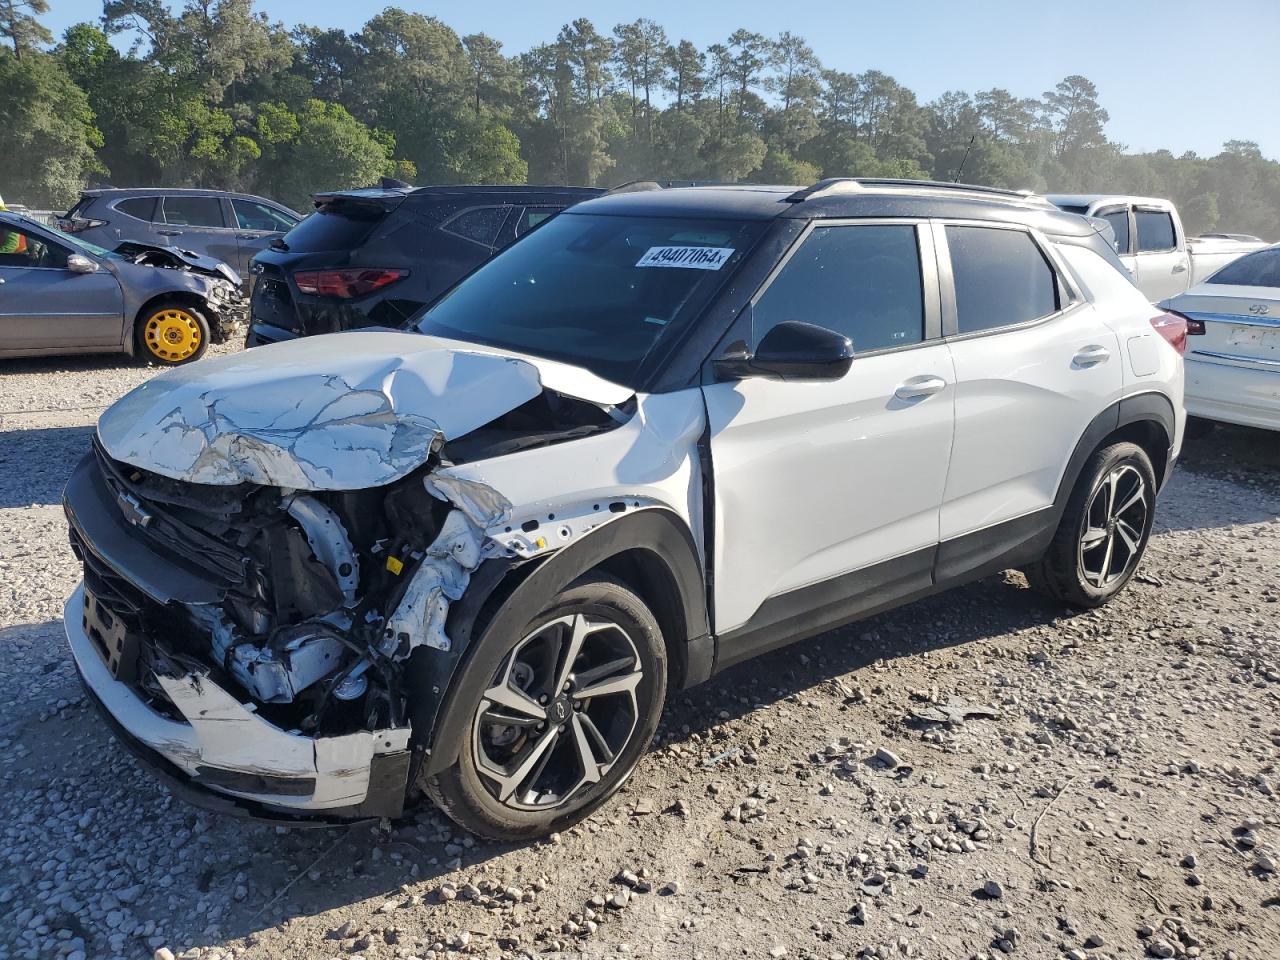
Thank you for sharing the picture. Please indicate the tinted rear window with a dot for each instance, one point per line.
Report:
(193, 211)
(333, 230)
(1155, 231)
(1261, 269)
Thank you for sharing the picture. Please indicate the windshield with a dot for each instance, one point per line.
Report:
(1261, 269)
(602, 292)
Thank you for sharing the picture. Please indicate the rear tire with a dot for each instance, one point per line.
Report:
(171, 333)
(541, 750)
(1103, 532)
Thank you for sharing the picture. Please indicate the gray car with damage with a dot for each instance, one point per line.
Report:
(59, 294)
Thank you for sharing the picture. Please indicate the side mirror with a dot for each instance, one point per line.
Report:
(80, 264)
(792, 350)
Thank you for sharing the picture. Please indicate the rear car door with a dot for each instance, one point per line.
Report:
(257, 224)
(1162, 267)
(815, 480)
(470, 238)
(45, 305)
(1035, 363)
(197, 223)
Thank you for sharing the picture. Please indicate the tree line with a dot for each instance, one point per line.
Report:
(217, 95)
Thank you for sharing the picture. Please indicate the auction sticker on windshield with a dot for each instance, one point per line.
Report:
(689, 258)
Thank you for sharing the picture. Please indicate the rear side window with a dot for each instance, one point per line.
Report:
(193, 211)
(1119, 220)
(530, 217)
(333, 230)
(1155, 231)
(1001, 278)
(140, 208)
(480, 224)
(862, 281)
(1261, 269)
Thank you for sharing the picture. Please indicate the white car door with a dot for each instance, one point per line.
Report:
(814, 480)
(1035, 363)
(1162, 267)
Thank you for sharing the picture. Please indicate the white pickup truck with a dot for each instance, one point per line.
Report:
(1152, 244)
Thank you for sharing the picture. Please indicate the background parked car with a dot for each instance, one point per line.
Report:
(1233, 353)
(1152, 244)
(231, 227)
(374, 257)
(60, 294)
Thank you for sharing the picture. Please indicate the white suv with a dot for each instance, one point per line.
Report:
(661, 434)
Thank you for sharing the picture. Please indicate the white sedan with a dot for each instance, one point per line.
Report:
(1233, 348)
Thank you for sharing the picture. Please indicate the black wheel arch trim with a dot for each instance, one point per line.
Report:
(1150, 407)
(492, 611)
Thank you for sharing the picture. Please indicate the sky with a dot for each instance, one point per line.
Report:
(1175, 74)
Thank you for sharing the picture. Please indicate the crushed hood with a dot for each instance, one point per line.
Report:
(339, 412)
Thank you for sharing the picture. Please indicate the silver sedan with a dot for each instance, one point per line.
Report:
(59, 294)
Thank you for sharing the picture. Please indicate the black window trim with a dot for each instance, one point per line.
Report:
(1070, 297)
(444, 226)
(929, 279)
(1138, 208)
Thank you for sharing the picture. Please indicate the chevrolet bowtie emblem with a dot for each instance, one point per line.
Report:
(133, 510)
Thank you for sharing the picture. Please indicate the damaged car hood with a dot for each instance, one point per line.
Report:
(339, 412)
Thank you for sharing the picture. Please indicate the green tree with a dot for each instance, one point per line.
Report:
(18, 22)
(330, 150)
(49, 131)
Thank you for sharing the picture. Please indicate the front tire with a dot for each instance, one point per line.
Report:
(1104, 529)
(557, 718)
(171, 334)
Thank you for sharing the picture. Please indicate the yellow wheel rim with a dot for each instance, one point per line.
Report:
(172, 334)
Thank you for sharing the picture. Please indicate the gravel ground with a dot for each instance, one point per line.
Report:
(1118, 799)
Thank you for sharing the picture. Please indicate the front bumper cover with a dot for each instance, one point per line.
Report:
(225, 750)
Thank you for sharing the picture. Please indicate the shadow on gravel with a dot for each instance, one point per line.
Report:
(70, 363)
(34, 464)
(1240, 467)
(992, 607)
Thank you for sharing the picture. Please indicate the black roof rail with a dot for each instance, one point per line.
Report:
(835, 186)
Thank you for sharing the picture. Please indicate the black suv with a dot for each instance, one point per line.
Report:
(373, 257)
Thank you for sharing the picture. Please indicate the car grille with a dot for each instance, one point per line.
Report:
(193, 522)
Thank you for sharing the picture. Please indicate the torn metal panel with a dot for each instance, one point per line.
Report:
(329, 541)
(317, 414)
(442, 576)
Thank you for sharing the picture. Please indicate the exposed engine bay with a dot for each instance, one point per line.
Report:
(325, 595)
(226, 299)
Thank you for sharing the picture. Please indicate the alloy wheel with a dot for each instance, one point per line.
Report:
(1115, 521)
(560, 710)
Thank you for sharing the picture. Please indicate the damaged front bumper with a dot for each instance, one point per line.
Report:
(225, 748)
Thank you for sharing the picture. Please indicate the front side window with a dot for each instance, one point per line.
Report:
(530, 217)
(251, 215)
(608, 293)
(1261, 269)
(25, 248)
(1155, 231)
(1119, 220)
(863, 281)
(1001, 278)
(193, 211)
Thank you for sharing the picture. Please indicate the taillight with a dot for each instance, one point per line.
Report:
(345, 283)
(1174, 328)
(78, 224)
